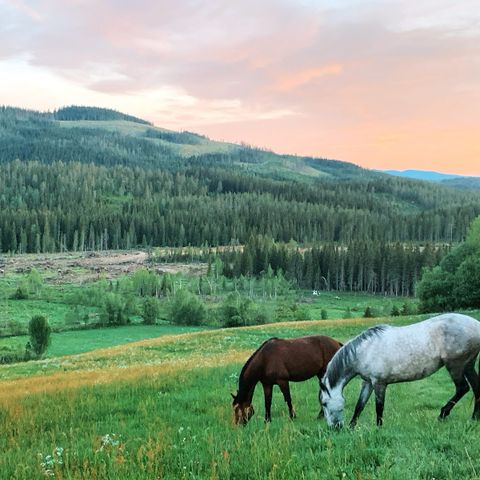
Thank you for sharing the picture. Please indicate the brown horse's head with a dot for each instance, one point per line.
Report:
(242, 410)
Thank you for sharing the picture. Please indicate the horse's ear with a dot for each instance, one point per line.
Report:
(324, 388)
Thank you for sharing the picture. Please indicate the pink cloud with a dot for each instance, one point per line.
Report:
(356, 80)
(297, 79)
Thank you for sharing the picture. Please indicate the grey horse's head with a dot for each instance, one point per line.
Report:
(333, 403)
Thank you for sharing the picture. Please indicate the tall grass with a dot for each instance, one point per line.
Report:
(161, 409)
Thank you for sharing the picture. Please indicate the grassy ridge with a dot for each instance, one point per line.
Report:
(165, 405)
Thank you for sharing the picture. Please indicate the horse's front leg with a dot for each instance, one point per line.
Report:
(285, 388)
(321, 413)
(365, 393)
(267, 392)
(379, 389)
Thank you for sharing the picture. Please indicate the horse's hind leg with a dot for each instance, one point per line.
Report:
(285, 388)
(458, 376)
(379, 389)
(474, 381)
(365, 393)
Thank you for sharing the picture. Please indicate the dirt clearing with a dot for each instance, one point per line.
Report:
(89, 266)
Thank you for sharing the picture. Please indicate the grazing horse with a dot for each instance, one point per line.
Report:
(276, 362)
(386, 354)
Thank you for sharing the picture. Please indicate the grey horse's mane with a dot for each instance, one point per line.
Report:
(347, 354)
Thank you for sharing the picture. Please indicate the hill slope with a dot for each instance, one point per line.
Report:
(107, 137)
(119, 182)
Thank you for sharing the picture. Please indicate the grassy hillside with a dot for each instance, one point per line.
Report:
(161, 408)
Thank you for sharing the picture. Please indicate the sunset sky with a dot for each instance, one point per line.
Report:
(384, 84)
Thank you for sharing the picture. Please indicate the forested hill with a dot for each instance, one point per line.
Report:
(94, 113)
(83, 178)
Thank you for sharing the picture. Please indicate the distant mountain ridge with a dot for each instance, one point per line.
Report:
(428, 175)
(447, 179)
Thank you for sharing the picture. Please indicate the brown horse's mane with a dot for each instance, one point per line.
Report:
(242, 388)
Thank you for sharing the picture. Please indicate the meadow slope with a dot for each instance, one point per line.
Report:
(160, 408)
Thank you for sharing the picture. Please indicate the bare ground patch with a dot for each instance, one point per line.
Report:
(89, 266)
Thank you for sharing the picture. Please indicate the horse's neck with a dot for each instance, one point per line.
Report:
(345, 379)
(348, 373)
(248, 382)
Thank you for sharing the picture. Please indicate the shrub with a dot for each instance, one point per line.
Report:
(21, 293)
(406, 309)
(235, 311)
(395, 311)
(151, 309)
(285, 312)
(145, 283)
(7, 357)
(323, 314)
(186, 309)
(259, 315)
(302, 313)
(114, 310)
(15, 328)
(368, 313)
(74, 316)
(39, 331)
(34, 281)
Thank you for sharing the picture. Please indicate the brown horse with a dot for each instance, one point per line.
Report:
(277, 362)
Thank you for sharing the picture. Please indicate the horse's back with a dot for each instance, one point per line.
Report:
(416, 351)
(450, 331)
(297, 359)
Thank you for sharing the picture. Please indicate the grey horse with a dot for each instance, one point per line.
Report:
(384, 354)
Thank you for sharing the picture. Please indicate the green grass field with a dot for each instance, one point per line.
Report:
(161, 408)
(80, 341)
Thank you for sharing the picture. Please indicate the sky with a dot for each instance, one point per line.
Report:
(392, 84)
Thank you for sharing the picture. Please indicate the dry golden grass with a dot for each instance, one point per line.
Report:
(127, 363)
(11, 390)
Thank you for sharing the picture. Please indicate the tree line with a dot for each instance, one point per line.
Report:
(59, 207)
(455, 282)
(373, 267)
